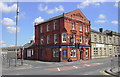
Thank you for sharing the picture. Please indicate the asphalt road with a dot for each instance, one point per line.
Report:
(83, 67)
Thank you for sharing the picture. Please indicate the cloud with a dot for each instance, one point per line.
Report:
(51, 11)
(2, 43)
(100, 21)
(86, 3)
(117, 4)
(38, 20)
(12, 30)
(33, 37)
(7, 22)
(5, 8)
(101, 16)
(114, 22)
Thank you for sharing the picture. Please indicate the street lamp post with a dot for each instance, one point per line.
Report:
(16, 33)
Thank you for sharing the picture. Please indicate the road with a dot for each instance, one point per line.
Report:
(83, 67)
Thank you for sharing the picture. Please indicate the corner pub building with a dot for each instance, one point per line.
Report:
(63, 37)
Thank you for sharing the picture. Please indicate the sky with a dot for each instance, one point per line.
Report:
(101, 15)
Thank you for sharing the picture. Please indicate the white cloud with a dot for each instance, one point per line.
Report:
(86, 3)
(42, 8)
(114, 22)
(51, 11)
(101, 16)
(7, 22)
(33, 37)
(38, 20)
(100, 21)
(13, 29)
(5, 8)
(2, 43)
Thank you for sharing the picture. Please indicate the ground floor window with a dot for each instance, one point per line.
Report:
(73, 52)
(95, 51)
(100, 51)
(55, 52)
(64, 53)
(105, 51)
(28, 53)
(86, 52)
(110, 51)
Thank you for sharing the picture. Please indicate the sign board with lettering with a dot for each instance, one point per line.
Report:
(99, 45)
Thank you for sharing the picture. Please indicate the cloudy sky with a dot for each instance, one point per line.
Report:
(101, 14)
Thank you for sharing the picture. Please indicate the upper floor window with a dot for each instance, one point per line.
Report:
(110, 40)
(48, 28)
(41, 40)
(114, 40)
(48, 39)
(72, 39)
(80, 38)
(54, 25)
(73, 25)
(86, 40)
(64, 36)
(95, 38)
(80, 27)
(41, 29)
(104, 39)
(100, 40)
(55, 38)
(86, 28)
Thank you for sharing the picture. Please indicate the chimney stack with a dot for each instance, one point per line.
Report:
(31, 41)
(101, 30)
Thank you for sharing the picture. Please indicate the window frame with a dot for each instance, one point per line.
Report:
(80, 26)
(48, 27)
(48, 39)
(63, 37)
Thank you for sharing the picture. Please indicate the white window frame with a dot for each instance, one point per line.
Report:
(73, 51)
(48, 27)
(41, 29)
(87, 52)
(32, 52)
(95, 38)
(80, 38)
(55, 38)
(81, 27)
(95, 51)
(86, 28)
(104, 39)
(41, 40)
(29, 53)
(105, 53)
(64, 41)
(48, 39)
(54, 25)
(73, 26)
(86, 40)
(55, 53)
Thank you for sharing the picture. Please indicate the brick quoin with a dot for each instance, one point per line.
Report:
(63, 24)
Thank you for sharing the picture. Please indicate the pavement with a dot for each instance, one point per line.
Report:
(113, 72)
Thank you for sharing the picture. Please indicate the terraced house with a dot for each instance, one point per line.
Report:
(64, 37)
(104, 44)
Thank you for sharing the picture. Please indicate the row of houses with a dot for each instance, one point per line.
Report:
(70, 37)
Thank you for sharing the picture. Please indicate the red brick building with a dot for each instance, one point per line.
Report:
(57, 37)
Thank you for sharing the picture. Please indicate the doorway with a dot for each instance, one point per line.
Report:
(81, 52)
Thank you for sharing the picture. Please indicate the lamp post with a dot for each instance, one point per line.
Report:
(16, 33)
